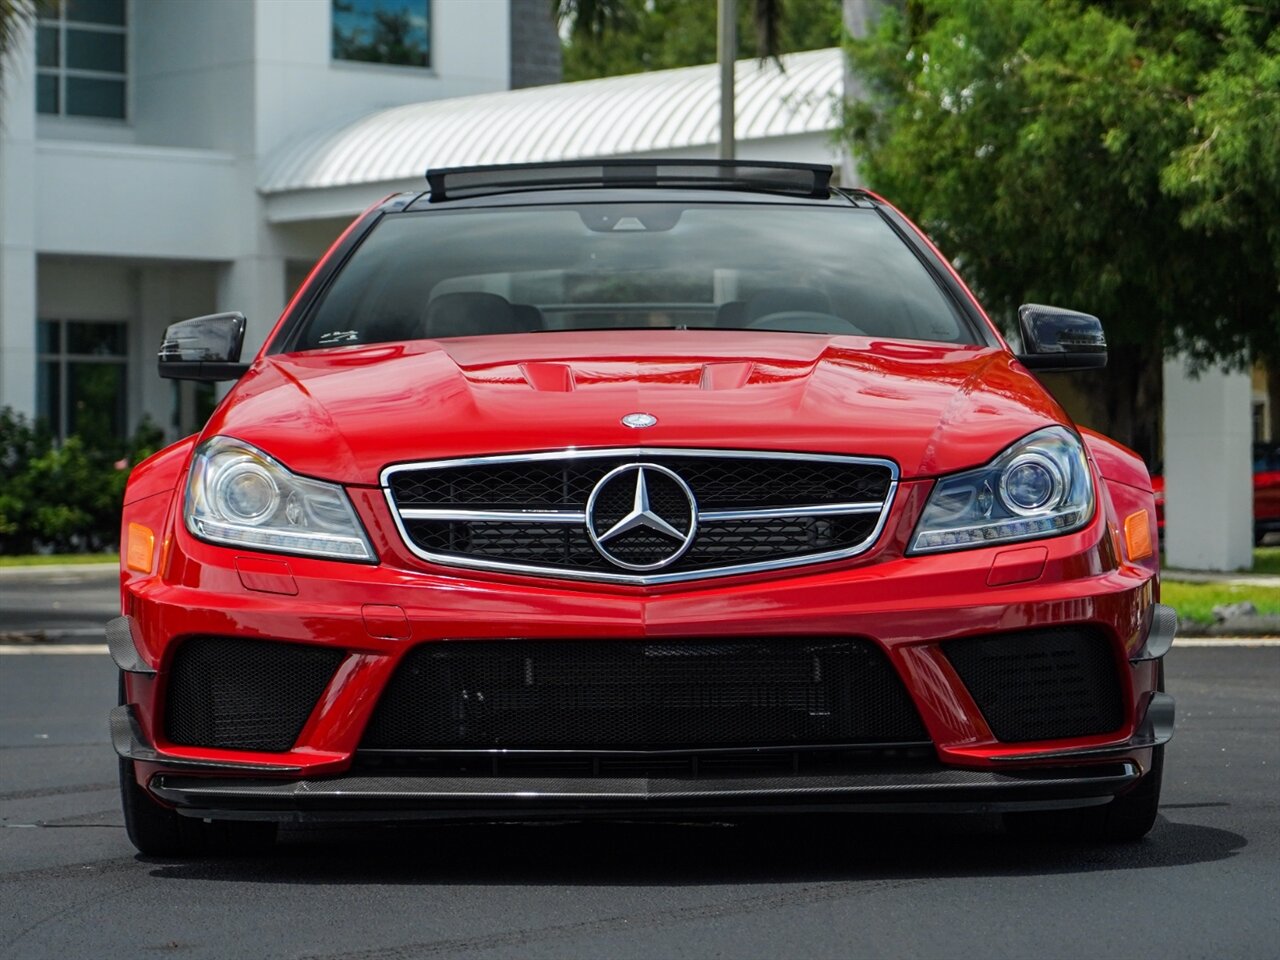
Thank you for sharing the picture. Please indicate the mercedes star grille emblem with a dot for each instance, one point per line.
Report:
(641, 516)
(639, 420)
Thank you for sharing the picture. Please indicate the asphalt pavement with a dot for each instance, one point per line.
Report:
(1205, 883)
(65, 602)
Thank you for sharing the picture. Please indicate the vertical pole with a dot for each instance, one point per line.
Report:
(727, 52)
(860, 18)
(1207, 476)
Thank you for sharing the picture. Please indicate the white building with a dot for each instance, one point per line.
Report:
(134, 137)
(161, 159)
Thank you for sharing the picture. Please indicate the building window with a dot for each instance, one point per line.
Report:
(81, 377)
(81, 61)
(383, 31)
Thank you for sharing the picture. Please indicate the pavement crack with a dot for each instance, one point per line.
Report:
(66, 906)
(56, 791)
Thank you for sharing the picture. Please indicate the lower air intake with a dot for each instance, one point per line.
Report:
(244, 694)
(620, 695)
(1041, 684)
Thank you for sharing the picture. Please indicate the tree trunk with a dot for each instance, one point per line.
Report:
(1124, 401)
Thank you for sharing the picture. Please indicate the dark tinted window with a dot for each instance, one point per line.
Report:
(383, 31)
(508, 270)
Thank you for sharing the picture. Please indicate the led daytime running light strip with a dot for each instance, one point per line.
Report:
(997, 531)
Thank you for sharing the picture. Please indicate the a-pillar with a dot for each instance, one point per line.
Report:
(18, 304)
(1207, 469)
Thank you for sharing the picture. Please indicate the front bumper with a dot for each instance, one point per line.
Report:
(909, 607)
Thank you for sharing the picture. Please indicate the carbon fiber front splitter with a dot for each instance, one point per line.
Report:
(485, 798)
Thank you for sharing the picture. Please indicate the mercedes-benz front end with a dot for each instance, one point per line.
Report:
(636, 489)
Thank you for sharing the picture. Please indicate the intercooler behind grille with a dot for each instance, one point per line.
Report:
(241, 694)
(1041, 684)
(632, 695)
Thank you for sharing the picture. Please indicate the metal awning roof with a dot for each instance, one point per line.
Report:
(639, 114)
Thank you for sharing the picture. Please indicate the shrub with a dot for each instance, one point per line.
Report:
(64, 497)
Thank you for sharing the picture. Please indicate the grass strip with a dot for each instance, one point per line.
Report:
(1195, 601)
(1266, 560)
(51, 559)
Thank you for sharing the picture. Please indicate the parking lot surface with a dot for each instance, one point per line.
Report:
(1204, 883)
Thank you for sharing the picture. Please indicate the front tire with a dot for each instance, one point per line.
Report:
(1127, 818)
(158, 831)
(161, 832)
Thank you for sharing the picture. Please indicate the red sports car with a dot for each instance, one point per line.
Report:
(636, 488)
(1266, 492)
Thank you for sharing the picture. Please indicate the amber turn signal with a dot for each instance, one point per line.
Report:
(139, 548)
(1137, 535)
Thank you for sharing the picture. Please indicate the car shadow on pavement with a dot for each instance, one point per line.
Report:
(776, 850)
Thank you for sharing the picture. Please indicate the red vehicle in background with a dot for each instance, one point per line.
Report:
(637, 488)
(1266, 493)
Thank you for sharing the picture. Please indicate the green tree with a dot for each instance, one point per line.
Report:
(1229, 176)
(1056, 150)
(611, 37)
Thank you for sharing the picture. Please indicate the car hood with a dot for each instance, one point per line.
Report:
(346, 413)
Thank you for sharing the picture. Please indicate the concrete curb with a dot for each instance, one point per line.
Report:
(58, 570)
(1227, 579)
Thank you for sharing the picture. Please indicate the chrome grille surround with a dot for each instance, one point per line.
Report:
(563, 517)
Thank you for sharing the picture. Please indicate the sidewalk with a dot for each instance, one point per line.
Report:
(1236, 579)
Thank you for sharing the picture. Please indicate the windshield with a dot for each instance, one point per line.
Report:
(477, 272)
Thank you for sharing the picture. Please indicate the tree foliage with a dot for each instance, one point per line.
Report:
(1120, 156)
(15, 17)
(611, 37)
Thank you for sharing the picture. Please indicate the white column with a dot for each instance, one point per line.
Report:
(18, 191)
(151, 396)
(1207, 469)
(254, 285)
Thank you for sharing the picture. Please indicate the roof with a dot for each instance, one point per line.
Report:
(632, 115)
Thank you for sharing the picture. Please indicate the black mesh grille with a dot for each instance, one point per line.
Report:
(719, 543)
(1042, 684)
(620, 695)
(717, 483)
(244, 694)
(737, 483)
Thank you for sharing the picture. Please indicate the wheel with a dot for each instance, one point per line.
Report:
(1127, 818)
(158, 831)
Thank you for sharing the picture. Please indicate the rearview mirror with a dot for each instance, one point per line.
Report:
(1057, 339)
(204, 348)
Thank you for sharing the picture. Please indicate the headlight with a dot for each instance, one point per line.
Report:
(1037, 488)
(238, 495)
